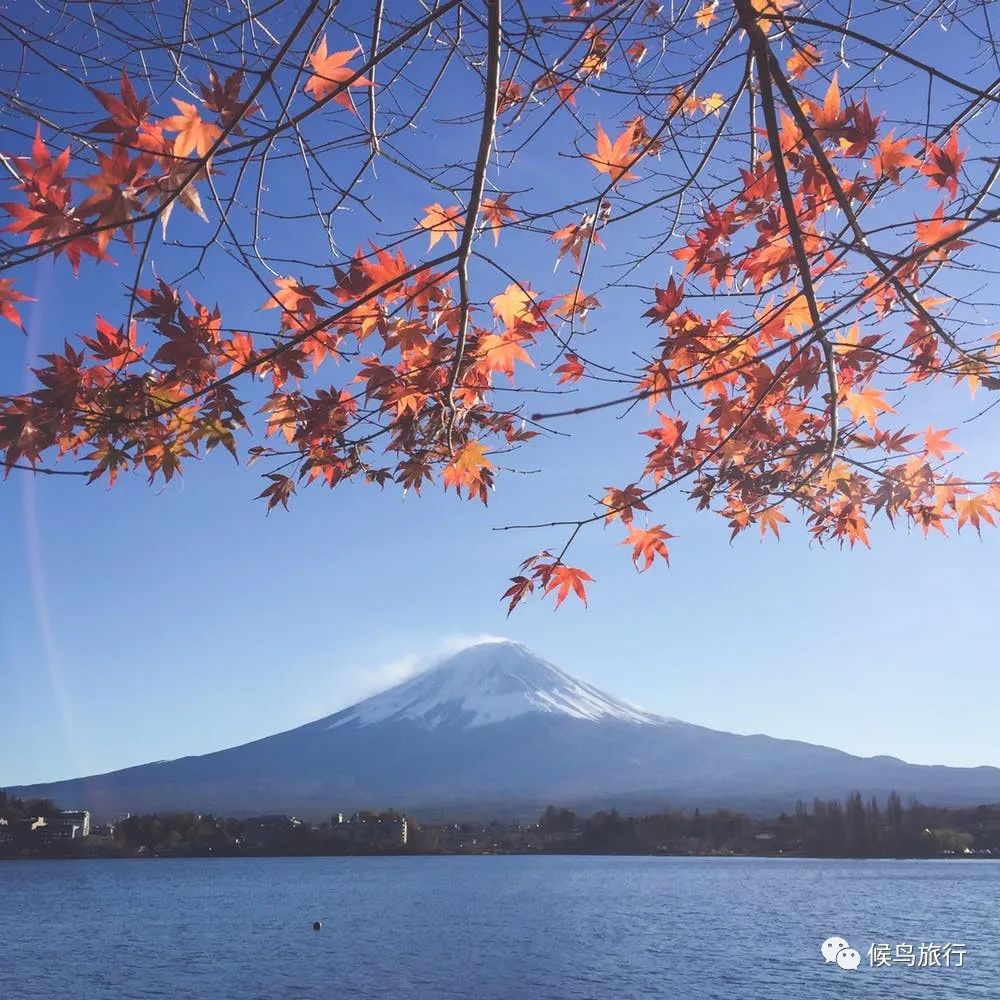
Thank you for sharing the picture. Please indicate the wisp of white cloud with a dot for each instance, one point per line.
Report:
(367, 681)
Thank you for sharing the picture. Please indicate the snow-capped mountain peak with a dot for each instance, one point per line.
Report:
(565, 743)
(486, 683)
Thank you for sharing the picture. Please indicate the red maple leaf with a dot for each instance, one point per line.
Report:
(943, 163)
(8, 296)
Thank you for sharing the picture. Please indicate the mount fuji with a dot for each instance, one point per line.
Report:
(495, 729)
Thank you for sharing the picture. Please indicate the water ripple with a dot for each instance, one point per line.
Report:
(489, 928)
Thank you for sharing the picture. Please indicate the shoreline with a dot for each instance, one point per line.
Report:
(246, 856)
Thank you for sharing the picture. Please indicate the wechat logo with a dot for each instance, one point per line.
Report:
(837, 950)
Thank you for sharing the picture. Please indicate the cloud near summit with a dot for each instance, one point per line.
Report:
(363, 682)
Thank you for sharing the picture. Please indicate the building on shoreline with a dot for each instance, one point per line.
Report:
(53, 830)
(387, 830)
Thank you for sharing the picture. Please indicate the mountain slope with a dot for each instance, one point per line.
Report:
(486, 683)
(496, 728)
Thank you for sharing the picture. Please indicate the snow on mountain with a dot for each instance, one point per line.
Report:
(496, 727)
(490, 682)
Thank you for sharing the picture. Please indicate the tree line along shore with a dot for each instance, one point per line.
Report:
(852, 828)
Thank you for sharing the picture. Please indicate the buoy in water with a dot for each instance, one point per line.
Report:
(317, 925)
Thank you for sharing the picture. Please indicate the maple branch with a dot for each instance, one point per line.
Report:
(486, 137)
(42, 471)
(533, 299)
(704, 160)
(343, 86)
(673, 481)
(196, 165)
(267, 356)
(844, 203)
(688, 91)
(421, 369)
(376, 31)
(892, 50)
(5, 161)
(200, 163)
(759, 43)
(987, 218)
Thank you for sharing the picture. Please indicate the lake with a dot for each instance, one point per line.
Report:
(495, 927)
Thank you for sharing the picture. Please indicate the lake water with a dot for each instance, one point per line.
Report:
(491, 927)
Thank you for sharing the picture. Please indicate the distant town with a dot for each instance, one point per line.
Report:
(854, 828)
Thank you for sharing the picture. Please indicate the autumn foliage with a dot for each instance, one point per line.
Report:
(394, 247)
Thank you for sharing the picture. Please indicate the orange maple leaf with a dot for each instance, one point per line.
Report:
(614, 158)
(623, 503)
(576, 304)
(796, 314)
(440, 221)
(566, 578)
(239, 350)
(937, 231)
(496, 213)
(936, 443)
(684, 100)
(772, 10)
(866, 404)
(771, 518)
(647, 544)
(705, 14)
(501, 351)
(383, 267)
(510, 94)
(974, 511)
(293, 296)
(575, 238)
(469, 469)
(803, 59)
(192, 132)
(831, 118)
(564, 89)
(892, 158)
(331, 75)
(517, 308)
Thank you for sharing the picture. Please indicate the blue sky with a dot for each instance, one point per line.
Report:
(138, 624)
